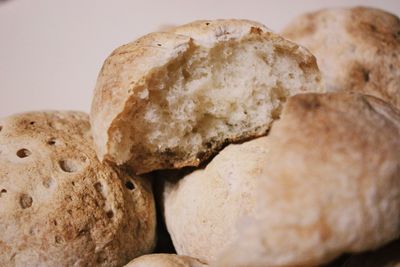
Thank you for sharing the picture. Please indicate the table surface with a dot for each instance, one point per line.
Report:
(51, 50)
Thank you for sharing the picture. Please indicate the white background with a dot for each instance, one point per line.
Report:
(52, 50)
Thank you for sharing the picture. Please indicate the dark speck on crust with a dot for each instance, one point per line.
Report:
(256, 30)
(365, 74)
(311, 103)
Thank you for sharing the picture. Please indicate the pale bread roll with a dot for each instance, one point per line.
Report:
(325, 181)
(356, 48)
(173, 99)
(165, 260)
(59, 206)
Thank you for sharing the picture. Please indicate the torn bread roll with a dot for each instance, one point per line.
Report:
(173, 99)
(165, 260)
(325, 181)
(356, 48)
(59, 206)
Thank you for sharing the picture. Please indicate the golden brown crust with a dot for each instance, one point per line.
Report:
(165, 260)
(357, 49)
(119, 94)
(59, 205)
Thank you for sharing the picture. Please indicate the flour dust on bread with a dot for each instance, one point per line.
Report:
(325, 181)
(356, 48)
(59, 206)
(172, 99)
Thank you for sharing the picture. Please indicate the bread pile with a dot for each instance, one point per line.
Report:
(256, 156)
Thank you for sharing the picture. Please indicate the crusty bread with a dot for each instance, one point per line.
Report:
(325, 181)
(172, 99)
(165, 260)
(356, 48)
(59, 206)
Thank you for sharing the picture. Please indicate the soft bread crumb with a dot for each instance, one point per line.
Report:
(203, 97)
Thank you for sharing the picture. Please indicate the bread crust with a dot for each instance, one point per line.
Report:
(356, 48)
(325, 181)
(165, 260)
(119, 92)
(59, 206)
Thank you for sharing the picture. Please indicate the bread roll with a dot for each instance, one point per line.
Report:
(356, 48)
(59, 206)
(173, 99)
(325, 181)
(165, 260)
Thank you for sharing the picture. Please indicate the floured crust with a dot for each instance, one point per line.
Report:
(208, 32)
(333, 165)
(120, 92)
(202, 209)
(165, 260)
(59, 206)
(356, 48)
(325, 181)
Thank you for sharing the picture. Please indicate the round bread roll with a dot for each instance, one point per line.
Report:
(172, 99)
(356, 48)
(59, 206)
(325, 181)
(165, 260)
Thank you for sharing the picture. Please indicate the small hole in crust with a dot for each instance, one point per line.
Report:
(207, 23)
(58, 239)
(47, 182)
(366, 75)
(32, 123)
(23, 153)
(110, 214)
(3, 191)
(159, 44)
(25, 201)
(99, 187)
(69, 165)
(129, 185)
(51, 142)
(1, 128)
